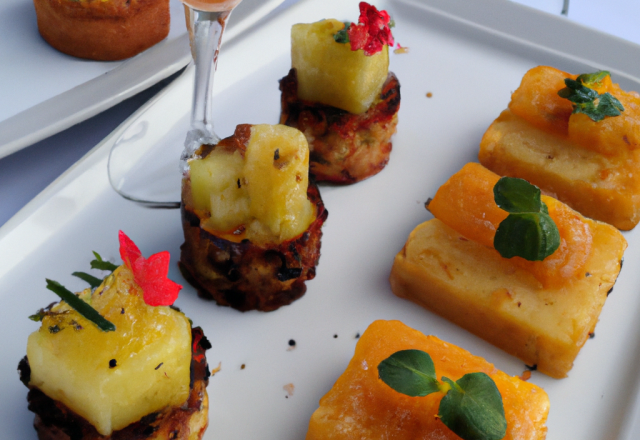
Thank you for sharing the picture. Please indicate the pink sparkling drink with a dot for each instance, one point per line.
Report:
(212, 5)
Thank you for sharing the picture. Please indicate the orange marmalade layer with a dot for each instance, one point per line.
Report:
(537, 101)
(466, 204)
(361, 406)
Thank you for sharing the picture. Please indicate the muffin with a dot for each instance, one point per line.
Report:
(102, 30)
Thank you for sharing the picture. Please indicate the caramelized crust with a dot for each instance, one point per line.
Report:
(102, 30)
(345, 147)
(246, 275)
(55, 421)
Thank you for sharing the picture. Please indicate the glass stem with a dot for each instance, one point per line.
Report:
(205, 35)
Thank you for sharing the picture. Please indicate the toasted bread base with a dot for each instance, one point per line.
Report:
(605, 188)
(361, 406)
(474, 287)
(55, 421)
(103, 31)
(345, 147)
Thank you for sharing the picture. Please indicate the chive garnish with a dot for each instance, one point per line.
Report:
(80, 306)
(93, 281)
(101, 264)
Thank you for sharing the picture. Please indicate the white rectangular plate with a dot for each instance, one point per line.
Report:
(45, 91)
(470, 55)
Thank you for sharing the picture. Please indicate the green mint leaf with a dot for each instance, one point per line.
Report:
(608, 105)
(577, 93)
(410, 372)
(516, 195)
(593, 79)
(473, 408)
(588, 101)
(80, 306)
(101, 264)
(342, 35)
(532, 236)
(93, 281)
(528, 231)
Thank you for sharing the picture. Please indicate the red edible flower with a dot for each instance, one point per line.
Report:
(372, 31)
(149, 273)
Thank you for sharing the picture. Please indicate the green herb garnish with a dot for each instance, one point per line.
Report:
(528, 231)
(342, 35)
(80, 306)
(38, 316)
(584, 98)
(93, 281)
(472, 406)
(101, 264)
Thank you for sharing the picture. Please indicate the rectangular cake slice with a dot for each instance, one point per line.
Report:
(361, 406)
(474, 287)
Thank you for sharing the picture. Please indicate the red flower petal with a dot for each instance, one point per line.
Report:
(150, 274)
(129, 252)
(358, 36)
(372, 31)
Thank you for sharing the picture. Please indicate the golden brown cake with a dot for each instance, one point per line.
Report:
(589, 165)
(361, 406)
(103, 30)
(540, 311)
(251, 219)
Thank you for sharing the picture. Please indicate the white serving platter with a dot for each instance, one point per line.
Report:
(44, 91)
(470, 55)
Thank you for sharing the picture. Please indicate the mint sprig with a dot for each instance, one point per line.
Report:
(588, 101)
(342, 36)
(411, 372)
(528, 231)
(80, 306)
(472, 406)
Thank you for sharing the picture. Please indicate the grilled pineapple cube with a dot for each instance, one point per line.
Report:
(113, 379)
(331, 73)
(217, 188)
(261, 187)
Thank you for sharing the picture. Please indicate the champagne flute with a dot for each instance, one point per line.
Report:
(206, 21)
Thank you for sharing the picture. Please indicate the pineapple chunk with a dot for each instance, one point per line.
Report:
(215, 188)
(265, 191)
(331, 73)
(113, 379)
